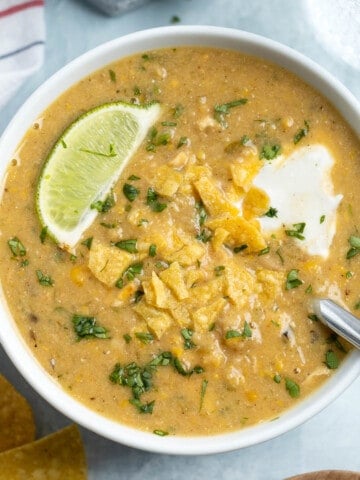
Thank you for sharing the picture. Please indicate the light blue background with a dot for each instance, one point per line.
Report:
(331, 440)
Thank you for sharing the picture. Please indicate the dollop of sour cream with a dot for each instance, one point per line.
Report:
(300, 188)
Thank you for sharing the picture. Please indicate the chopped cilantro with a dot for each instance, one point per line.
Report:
(43, 234)
(133, 270)
(168, 124)
(264, 251)
(142, 407)
(219, 270)
(127, 338)
(313, 317)
(44, 280)
(331, 360)
(127, 245)
(153, 202)
(16, 247)
(246, 333)
(108, 225)
(130, 192)
(297, 231)
(86, 327)
(24, 263)
(240, 248)
(144, 337)
(333, 339)
(204, 236)
(182, 141)
(204, 385)
(221, 110)
(292, 388)
(88, 242)
(175, 19)
(152, 250)
(357, 305)
(322, 218)
(187, 334)
(292, 280)
(202, 215)
(272, 212)
(133, 178)
(103, 206)
(277, 378)
(309, 289)
(112, 75)
(161, 433)
(178, 110)
(269, 152)
(354, 242)
(137, 91)
(301, 133)
(278, 253)
(348, 274)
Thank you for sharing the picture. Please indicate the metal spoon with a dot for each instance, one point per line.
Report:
(338, 319)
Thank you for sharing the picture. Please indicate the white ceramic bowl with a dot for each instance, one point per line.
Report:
(10, 337)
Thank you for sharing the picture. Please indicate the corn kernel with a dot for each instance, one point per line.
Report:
(78, 275)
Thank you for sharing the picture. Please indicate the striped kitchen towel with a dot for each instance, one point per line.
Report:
(22, 39)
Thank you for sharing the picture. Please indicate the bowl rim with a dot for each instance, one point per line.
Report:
(10, 337)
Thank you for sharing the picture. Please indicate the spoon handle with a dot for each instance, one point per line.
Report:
(339, 320)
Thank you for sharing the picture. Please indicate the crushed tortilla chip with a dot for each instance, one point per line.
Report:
(162, 294)
(55, 457)
(256, 203)
(195, 276)
(188, 254)
(174, 279)
(158, 321)
(108, 263)
(240, 284)
(219, 237)
(204, 317)
(207, 291)
(167, 181)
(242, 232)
(213, 198)
(272, 282)
(17, 425)
(244, 171)
(181, 315)
(195, 172)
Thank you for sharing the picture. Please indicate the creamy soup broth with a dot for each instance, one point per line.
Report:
(225, 313)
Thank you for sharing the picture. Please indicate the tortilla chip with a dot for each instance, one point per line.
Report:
(256, 203)
(59, 456)
(17, 425)
(244, 171)
(204, 317)
(188, 254)
(108, 263)
(158, 321)
(213, 198)
(241, 231)
(174, 279)
(167, 181)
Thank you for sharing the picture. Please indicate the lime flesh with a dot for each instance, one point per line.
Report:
(85, 163)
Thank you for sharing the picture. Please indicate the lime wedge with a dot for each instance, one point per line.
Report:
(85, 163)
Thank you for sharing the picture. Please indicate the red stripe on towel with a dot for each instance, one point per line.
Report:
(20, 7)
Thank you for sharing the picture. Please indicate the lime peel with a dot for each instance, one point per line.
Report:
(85, 163)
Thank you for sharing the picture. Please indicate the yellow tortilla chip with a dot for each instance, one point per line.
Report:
(206, 292)
(59, 456)
(158, 321)
(194, 172)
(180, 160)
(188, 254)
(244, 171)
(167, 181)
(174, 279)
(242, 232)
(204, 317)
(163, 296)
(108, 263)
(213, 198)
(272, 282)
(181, 315)
(17, 425)
(240, 284)
(219, 237)
(256, 203)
